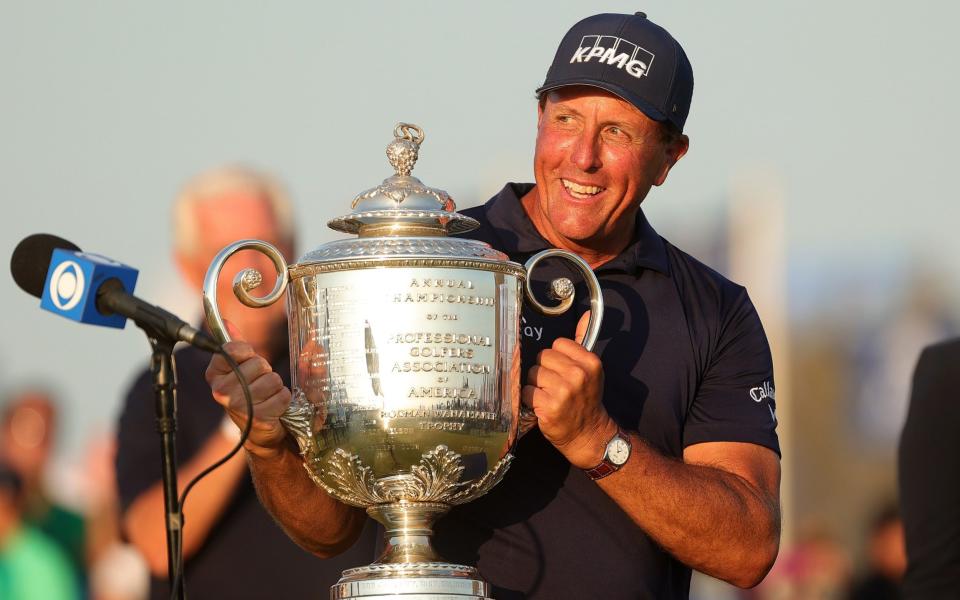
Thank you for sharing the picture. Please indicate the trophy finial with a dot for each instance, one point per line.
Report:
(402, 151)
(402, 205)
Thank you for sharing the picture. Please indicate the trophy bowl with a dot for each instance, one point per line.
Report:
(405, 367)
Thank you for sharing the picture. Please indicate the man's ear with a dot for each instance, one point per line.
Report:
(673, 152)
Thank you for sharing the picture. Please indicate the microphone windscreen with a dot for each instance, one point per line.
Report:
(31, 260)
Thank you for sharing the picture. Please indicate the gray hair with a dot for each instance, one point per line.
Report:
(224, 180)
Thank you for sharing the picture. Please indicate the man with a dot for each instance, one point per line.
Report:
(31, 564)
(886, 558)
(929, 476)
(653, 455)
(231, 547)
(28, 431)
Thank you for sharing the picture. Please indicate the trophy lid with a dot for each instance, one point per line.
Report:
(402, 205)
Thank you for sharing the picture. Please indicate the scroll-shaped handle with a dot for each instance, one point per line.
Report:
(245, 280)
(562, 290)
(298, 415)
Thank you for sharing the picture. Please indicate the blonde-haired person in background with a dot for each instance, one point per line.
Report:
(232, 548)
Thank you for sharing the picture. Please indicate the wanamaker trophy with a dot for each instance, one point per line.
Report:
(405, 360)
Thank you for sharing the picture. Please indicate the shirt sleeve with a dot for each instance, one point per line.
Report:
(736, 398)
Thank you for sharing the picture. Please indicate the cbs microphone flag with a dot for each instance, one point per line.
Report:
(72, 282)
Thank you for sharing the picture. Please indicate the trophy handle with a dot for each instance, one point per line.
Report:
(298, 415)
(562, 290)
(245, 280)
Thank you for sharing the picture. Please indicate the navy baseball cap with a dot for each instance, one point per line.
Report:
(630, 56)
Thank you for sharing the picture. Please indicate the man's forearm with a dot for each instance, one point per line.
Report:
(314, 520)
(703, 514)
(144, 522)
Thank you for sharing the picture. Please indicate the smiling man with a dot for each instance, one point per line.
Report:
(651, 456)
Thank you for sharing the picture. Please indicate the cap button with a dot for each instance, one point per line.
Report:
(642, 15)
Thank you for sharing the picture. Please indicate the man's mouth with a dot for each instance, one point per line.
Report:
(581, 191)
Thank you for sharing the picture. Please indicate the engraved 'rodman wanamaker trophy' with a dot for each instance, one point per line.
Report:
(405, 359)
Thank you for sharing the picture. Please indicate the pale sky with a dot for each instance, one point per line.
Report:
(109, 106)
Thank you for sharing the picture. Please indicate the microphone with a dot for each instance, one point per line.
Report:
(93, 289)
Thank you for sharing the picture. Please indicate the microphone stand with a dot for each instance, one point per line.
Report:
(165, 391)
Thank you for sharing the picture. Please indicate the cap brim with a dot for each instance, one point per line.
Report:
(644, 106)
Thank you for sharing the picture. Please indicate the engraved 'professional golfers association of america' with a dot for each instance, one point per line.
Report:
(405, 359)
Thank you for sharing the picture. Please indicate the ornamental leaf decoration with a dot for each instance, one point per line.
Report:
(350, 480)
(438, 474)
(484, 484)
(435, 479)
(298, 419)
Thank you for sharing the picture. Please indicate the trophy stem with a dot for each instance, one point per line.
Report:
(409, 567)
(409, 526)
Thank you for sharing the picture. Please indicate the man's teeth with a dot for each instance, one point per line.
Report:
(581, 191)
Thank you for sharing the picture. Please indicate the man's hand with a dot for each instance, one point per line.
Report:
(565, 390)
(270, 397)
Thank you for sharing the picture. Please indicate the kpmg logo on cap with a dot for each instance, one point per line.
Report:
(615, 51)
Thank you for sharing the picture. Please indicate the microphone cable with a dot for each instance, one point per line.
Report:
(244, 434)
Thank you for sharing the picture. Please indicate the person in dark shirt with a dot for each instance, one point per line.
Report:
(231, 546)
(886, 558)
(654, 454)
(929, 476)
(28, 431)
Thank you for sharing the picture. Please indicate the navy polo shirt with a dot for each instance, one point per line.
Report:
(685, 361)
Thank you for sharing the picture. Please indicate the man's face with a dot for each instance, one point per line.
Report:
(596, 158)
(222, 221)
(26, 435)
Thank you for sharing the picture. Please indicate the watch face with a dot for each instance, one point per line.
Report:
(618, 451)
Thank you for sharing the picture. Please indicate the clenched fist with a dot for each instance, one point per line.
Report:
(270, 397)
(565, 390)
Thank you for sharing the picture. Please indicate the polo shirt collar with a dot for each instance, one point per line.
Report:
(504, 212)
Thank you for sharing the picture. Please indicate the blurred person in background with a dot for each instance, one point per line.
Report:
(32, 566)
(231, 546)
(28, 427)
(929, 476)
(815, 567)
(116, 569)
(886, 559)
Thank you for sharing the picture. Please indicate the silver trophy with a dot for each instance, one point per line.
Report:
(405, 360)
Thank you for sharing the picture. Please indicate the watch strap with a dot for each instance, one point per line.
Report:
(602, 470)
(606, 466)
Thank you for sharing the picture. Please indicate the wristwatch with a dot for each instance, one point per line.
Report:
(615, 456)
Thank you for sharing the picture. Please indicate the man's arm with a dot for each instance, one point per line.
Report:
(144, 523)
(717, 511)
(313, 519)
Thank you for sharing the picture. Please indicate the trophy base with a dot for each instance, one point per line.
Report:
(411, 581)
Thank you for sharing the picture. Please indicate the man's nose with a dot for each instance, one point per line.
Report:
(586, 152)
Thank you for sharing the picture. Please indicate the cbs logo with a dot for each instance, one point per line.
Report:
(67, 285)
